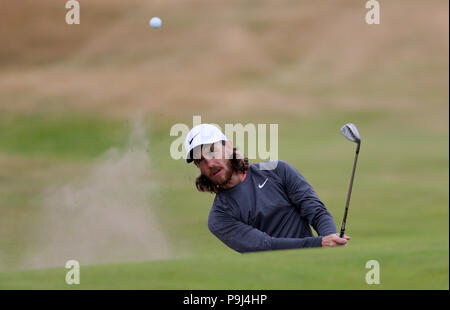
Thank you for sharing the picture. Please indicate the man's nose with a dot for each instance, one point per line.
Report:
(210, 162)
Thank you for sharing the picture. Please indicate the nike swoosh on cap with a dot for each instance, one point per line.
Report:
(190, 142)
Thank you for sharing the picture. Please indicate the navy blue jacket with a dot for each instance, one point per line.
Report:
(270, 210)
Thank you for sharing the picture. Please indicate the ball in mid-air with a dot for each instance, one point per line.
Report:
(155, 22)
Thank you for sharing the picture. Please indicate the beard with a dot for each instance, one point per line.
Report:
(225, 178)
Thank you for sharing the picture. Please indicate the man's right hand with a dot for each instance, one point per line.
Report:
(334, 240)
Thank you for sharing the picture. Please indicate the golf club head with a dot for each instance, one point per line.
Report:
(350, 132)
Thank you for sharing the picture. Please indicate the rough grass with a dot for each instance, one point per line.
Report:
(398, 216)
(306, 66)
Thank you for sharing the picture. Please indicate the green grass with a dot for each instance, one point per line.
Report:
(398, 213)
(61, 134)
(401, 266)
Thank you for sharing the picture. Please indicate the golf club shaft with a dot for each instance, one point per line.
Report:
(349, 192)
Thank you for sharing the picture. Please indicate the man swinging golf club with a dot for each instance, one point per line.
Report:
(256, 209)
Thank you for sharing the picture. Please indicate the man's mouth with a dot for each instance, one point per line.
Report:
(217, 172)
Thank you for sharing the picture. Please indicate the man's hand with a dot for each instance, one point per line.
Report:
(334, 240)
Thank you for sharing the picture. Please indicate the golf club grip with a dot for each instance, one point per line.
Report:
(341, 235)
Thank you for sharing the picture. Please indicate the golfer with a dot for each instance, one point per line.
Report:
(256, 209)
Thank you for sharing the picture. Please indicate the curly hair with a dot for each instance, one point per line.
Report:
(239, 163)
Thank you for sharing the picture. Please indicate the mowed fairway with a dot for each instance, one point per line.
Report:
(66, 105)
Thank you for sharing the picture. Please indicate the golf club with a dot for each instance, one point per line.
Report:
(350, 132)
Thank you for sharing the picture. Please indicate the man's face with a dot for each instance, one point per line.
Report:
(213, 162)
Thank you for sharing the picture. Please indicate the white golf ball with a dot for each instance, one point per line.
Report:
(155, 22)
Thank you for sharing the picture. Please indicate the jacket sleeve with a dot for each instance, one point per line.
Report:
(245, 238)
(303, 196)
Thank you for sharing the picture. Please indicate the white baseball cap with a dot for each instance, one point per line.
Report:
(201, 134)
